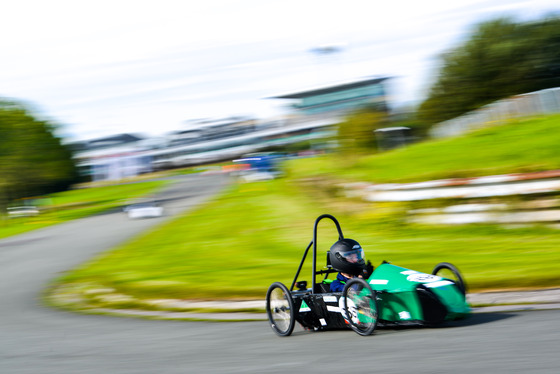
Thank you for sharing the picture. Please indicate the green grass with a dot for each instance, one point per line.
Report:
(225, 249)
(520, 146)
(65, 206)
(254, 234)
(237, 245)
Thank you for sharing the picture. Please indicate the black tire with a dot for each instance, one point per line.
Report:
(360, 306)
(457, 277)
(280, 309)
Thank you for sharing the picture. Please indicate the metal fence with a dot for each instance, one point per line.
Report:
(530, 104)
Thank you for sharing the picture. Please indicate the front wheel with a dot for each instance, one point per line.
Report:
(449, 271)
(360, 306)
(280, 309)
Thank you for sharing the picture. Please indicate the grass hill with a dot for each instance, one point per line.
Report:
(522, 145)
(255, 233)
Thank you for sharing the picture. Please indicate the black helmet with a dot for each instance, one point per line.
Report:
(347, 256)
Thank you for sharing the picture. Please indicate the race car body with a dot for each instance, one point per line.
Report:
(408, 296)
(391, 295)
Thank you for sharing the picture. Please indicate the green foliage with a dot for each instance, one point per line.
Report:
(356, 134)
(32, 159)
(520, 146)
(501, 58)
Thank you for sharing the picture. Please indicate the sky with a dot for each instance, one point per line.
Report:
(100, 68)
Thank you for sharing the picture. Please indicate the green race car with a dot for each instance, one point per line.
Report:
(388, 295)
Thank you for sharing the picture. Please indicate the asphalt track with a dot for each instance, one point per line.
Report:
(37, 339)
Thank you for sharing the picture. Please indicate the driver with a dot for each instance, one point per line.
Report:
(347, 257)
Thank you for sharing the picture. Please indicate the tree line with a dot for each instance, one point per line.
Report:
(499, 58)
(33, 160)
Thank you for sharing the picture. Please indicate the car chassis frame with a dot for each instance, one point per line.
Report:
(391, 295)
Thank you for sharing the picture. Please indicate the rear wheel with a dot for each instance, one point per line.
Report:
(449, 271)
(280, 309)
(360, 306)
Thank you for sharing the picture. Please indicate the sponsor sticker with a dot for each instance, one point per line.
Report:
(330, 299)
(378, 281)
(408, 272)
(304, 307)
(332, 308)
(404, 315)
(423, 278)
(439, 284)
(323, 322)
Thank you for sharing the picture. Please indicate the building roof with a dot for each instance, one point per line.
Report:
(109, 141)
(325, 90)
(120, 138)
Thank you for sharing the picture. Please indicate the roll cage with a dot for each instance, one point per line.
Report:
(313, 243)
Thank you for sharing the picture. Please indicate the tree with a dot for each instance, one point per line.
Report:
(33, 161)
(502, 58)
(356, 134)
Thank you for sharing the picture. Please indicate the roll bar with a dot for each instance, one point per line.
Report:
(314, 244)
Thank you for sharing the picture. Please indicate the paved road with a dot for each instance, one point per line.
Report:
(29, 261)
(69, 343)
(36, 339)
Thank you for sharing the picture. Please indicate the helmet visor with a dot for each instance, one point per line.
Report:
(354, 256)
